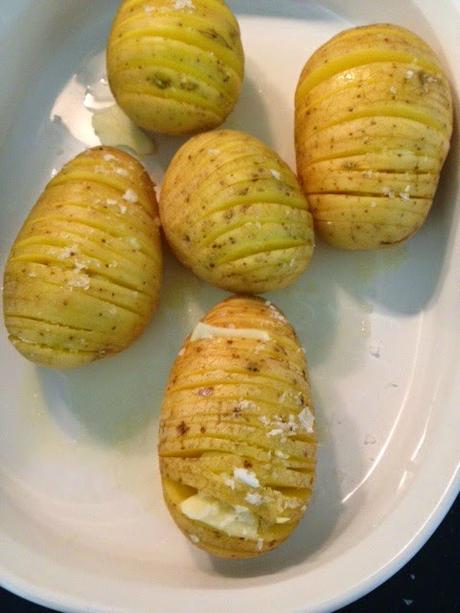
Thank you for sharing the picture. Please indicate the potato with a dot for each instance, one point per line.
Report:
(237, 434)
(373, 122)
(83, 276)
(175, 66)
(235, 214)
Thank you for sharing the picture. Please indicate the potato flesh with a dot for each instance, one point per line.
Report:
(236, 403)
(83, 275)
(175, 67)
(373, 125)
(234, 213)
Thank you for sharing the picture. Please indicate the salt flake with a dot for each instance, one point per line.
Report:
(184, 4)
(307, 419)
(254, 498)
(246, 476)
(130, 196)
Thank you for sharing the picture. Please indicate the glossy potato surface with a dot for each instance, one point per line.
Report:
(234, 212)
(175, 66)
(240, 405)
(83, 276)
(373, 122)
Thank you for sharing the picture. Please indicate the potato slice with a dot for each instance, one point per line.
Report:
(373, 124)
(175, 66)
(234, 213)
(237, 433)
(83, 276)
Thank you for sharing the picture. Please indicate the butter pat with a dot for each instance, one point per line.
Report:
(114, 128)
(234, 521)
(204, 331)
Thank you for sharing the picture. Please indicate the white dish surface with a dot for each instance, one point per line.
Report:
(83, 526)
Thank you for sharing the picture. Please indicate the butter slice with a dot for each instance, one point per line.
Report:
(235, 521)
(205, 331)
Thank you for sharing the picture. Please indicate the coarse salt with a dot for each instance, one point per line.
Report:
(254, 498)
(229, 482)
(275, 174)
(67, 252)
(307, 419)
(130, 196)
(387, 191)
(246, 476)
(246, 405)
(184, 4)
(121, 171)
(80, 281)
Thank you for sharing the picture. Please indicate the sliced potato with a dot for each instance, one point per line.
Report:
(234, 213)
(237, 434)
(83, 276)
(175, 66)
(373, 124)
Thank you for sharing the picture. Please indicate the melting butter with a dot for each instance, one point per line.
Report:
(114, 128)
(205, 331)
(236, 521)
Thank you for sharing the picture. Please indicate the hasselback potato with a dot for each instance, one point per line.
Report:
(233, 211)
(83, 276)
(373, 125)
(237, 434)
(175, 66)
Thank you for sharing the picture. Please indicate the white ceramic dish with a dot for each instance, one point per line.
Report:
(82, 522)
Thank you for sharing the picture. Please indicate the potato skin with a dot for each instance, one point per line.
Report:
(235, 403)
(175, 66)
(83, 275)
(235, 214)
(373, 124)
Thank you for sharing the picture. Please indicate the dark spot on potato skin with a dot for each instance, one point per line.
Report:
(182, 428)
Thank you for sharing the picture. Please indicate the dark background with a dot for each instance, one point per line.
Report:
(430, 582)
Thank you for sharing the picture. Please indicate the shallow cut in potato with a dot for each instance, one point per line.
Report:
(235, 214)
(373, 121)
(237, 433)
(83, 276)
(175, 66)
